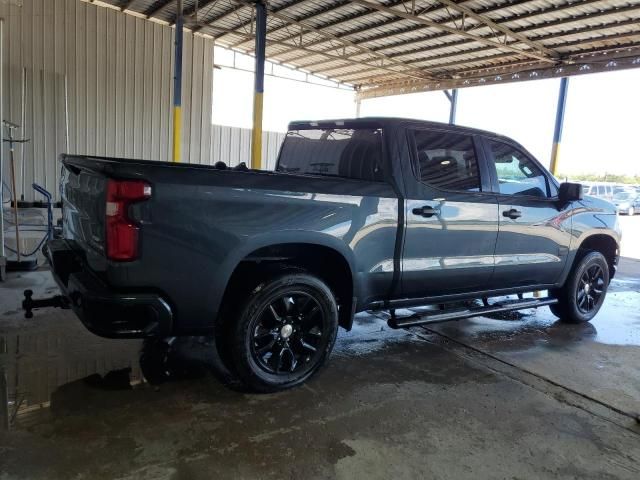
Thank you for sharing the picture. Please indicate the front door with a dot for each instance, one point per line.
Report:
(451, 221)
(533, 238)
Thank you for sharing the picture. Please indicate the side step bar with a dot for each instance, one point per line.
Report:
(461, 313)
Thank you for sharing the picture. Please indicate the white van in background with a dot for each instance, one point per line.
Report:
(599, 189)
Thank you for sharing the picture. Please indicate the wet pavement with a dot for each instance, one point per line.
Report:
(513, 396)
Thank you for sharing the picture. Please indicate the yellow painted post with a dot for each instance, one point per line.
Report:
(260, 47)
(177, 132)
(256, 134)
(177, 84)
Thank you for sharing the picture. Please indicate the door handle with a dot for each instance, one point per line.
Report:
(426, 211)
(513, 213)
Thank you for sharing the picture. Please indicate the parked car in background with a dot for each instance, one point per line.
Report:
(627, 202)
(599, 189)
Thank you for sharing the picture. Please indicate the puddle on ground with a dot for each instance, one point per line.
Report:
(617, 323)
(47, 354)
(52, 355)
(370, 333)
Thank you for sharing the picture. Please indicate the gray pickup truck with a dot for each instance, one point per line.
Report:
(358, 215)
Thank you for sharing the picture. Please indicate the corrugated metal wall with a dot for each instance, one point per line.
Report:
(117, 72)
(233, 145)
(108, 76)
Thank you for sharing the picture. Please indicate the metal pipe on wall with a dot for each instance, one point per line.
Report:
(557, 131)
(260, 47)
(23, 97)
(177, 82)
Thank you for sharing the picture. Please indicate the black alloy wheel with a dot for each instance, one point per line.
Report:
(584, 290)
(287, 333)
(590, 288)
(284, 332)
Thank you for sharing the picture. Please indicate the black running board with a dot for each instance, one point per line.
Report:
(459, 314)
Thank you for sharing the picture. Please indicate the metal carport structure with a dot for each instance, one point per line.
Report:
(392, 47)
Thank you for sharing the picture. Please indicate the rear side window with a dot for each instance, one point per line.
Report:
(447, 160)
(517, 173)
(335, 152)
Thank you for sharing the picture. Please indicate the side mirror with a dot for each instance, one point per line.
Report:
(569, 192)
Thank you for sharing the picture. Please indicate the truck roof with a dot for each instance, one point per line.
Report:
(382, 122)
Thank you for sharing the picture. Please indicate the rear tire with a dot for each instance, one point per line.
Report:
(584, 290)
(284, 332)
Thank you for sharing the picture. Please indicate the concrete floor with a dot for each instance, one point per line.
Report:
(517, 396)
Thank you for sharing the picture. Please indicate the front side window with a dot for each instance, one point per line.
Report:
(517, 174)
(335, 152)
(447, 160)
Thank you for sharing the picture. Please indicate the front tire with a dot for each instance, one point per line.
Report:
(584, 291)
(284, 332)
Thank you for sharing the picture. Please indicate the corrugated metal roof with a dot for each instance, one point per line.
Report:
(385, 47)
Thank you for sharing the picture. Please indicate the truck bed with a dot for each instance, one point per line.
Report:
(200, 222)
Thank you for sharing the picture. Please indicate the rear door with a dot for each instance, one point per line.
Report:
(451, 215)
(533, 238)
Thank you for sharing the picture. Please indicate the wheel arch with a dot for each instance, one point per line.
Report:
(320, 254)
(603, 243)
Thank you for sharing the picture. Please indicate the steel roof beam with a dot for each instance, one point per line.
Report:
(527, 15)
(277, 13)
(232, 11)
(527, 29)
(157, 7)
(347, 43)
(331, 24)
(356, 75)
(548, 37)
(501, 28)
(375, 66)
(618, 57)
(530, 28)
(192, 9)
(428, 10)
(330, 8)
(454, 31)
(125, 4)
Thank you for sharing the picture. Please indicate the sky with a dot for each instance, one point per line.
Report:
(601, 128)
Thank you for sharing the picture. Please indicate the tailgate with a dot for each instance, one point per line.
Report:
(83, 191)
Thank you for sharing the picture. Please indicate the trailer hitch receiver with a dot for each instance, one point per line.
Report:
(28, 304)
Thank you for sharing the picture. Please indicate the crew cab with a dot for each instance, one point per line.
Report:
(363, 214)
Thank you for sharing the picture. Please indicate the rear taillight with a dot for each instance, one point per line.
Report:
(122, 232)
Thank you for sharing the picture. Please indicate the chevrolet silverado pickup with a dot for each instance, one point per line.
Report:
(362, 214)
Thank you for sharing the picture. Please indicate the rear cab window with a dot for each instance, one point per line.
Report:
(335, 152)
(446, 160)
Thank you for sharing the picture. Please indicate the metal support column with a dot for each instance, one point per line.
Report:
(261, 41)
(453, 100)
(3, 258)
(177, 82)
(557, 132)
(358, 105)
